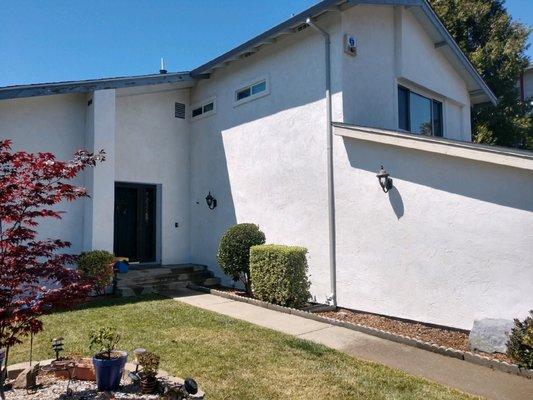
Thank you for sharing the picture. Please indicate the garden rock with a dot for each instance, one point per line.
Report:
(490, 335)
(27, 379)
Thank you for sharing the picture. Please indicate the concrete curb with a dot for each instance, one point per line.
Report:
(445, 351)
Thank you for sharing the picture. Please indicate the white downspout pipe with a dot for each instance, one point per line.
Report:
(332, 299)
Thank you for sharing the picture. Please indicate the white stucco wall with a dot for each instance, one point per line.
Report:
(55, 124)
(98, 222)
(392, 49)
(152, 147)
(265, 160)
(449, 244)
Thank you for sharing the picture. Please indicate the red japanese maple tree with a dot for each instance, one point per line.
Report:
(34, 273)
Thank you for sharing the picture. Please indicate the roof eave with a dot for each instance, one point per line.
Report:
(85, 86)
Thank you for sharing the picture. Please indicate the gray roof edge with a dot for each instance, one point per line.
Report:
(297, 19)
(89, 85)
(432, 15)
(326, 4)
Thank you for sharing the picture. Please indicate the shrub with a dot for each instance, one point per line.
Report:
(234, 251)
(520, 344)
(279, 274)
(105, 339)
(98, 266)
(149, 362)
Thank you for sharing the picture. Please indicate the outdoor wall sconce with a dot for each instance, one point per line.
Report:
(384, 180)
(57, 346)
(211, 201)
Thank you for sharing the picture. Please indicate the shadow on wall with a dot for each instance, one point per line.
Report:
(505, 186)
(395, 199)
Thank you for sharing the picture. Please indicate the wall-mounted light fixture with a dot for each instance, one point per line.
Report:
(384, 180)
(211, 201)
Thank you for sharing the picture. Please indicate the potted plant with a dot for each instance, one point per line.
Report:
(149, 363)
(108, 363)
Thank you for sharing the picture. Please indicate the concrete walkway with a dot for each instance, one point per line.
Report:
(448, 371)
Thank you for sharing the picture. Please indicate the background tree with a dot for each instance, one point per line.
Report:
(34, 277)
(496, 46)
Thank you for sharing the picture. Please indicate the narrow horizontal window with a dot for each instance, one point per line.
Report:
(244, 93)
(257, 89)
(197, 111)
(209, 107)
(203, 109)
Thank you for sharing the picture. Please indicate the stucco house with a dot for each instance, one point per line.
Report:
(450, 242)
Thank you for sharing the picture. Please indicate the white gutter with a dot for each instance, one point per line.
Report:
(332, 298)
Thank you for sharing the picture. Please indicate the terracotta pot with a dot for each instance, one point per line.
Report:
(83, 371)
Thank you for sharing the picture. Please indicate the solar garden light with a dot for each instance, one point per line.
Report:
(384, 180)
(57, 346)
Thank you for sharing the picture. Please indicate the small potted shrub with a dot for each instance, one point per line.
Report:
(97, 265)
(149, 363)
(108, 363)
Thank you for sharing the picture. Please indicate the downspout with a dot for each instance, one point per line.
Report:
(332, 298)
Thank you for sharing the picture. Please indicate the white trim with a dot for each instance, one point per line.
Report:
(252, 97)
(454, 148)
(202, 104)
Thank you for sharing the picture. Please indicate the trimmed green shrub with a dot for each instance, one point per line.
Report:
(520, 344)
(98, 266)
(234, 251)
(279, 274)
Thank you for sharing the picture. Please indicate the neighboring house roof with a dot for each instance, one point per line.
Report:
(43, 89)
(478, 89)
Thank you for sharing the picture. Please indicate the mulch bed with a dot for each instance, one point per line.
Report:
(451, 338)
(454, 339)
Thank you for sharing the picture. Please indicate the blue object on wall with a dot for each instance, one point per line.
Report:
(122, 267)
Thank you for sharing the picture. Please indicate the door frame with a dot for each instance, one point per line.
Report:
(158, 218)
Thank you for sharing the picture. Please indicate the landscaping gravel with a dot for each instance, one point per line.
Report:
(51, 388)
(457, 340)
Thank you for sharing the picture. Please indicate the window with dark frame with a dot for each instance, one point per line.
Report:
(203, 109)
(419, 114)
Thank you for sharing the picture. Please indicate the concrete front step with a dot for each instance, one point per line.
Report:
(147, 280)
(165, 278)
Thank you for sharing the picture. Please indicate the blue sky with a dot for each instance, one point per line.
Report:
(56, 40)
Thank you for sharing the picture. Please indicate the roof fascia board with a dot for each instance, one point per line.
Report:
(13, 92)
(456, 50)
(254, 42)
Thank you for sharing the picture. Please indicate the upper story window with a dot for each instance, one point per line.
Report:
(203, 109)
(250, 92)
(419, 114)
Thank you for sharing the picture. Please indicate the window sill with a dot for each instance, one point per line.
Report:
(453, 148)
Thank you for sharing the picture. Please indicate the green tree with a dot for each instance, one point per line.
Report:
(496, 45)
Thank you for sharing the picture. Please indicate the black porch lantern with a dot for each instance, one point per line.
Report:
(384, 180)
(211, 201)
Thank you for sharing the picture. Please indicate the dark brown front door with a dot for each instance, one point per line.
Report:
(134, 235)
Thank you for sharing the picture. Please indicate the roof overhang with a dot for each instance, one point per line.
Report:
(451, 148)
(478, 89)
(45, 89)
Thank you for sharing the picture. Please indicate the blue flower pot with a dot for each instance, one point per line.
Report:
(109, 372)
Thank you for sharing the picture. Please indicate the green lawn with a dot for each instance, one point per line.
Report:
(231, 359)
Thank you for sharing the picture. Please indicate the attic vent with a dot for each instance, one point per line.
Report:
(301, 27)
(248, 54)
(179, 110)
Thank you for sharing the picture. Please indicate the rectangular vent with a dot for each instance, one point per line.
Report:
(179, 110)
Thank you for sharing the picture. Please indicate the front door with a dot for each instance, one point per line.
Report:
(135, 234)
